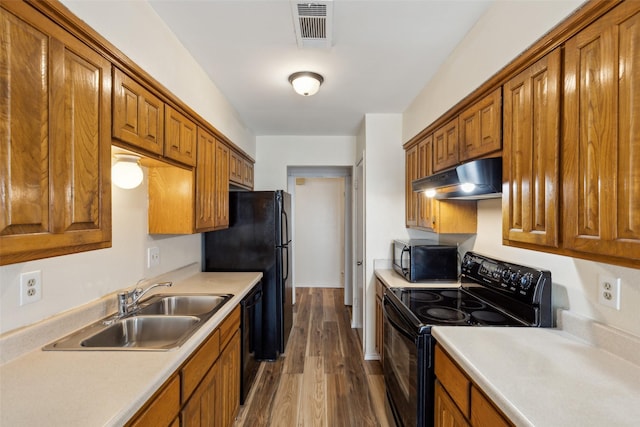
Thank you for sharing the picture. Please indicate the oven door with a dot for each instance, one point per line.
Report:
(405, 365)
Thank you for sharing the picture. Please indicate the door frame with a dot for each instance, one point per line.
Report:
(345, 172)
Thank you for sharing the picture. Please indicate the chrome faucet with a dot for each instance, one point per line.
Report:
(128, 301)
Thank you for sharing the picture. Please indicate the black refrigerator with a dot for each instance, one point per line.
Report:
(258, 239)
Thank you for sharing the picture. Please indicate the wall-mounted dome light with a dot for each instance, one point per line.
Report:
(126, 173)
(306, 83)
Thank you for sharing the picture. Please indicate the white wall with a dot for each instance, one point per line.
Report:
(384, 204)
(496, 39)
(319, 232)
(275, 153)
(72, 280)
(136, 29)
(500, 35)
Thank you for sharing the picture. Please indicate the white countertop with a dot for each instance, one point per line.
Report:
(393, 280)
(548, 377)
(104, 388)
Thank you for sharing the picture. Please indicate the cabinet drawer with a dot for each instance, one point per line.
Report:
(164, 406)
(196, 368)
(230, 325)
(484, 413)
(453, 380)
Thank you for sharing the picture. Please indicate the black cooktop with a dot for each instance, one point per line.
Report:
(452, 306)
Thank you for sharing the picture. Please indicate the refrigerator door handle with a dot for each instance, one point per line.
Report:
(286, 268)
(285, 217)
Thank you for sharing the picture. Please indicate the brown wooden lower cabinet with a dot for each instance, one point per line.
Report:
(446, 412)
(205, 391)
(379, 320)
(458, 401)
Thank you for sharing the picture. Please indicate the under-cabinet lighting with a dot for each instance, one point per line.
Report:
(126, 173)
(468, 187)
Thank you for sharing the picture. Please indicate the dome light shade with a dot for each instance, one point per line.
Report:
(306, 83)
(126, 173)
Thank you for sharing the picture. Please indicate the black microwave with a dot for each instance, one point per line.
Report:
(425, 260)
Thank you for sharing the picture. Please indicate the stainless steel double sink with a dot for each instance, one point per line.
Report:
(161, 322)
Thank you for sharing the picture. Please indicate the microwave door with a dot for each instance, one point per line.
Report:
(405, 263)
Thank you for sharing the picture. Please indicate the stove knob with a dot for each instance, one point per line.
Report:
(526, 281)
(506, 274)
(468, 262)
(515, 278)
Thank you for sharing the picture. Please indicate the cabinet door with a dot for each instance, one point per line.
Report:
(229, 392)
(425, 168)
(222, 185)
(236, 165)
(411, 198)
(200, 410)
(531, 193)
(445, 146)
(180, 137)
(480, 127)
(55, 150)
(601, 148)
(138, 115)
(206, 182)
(248, 174)
(446, 413)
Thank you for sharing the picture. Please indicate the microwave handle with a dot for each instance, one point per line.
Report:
(404, 270)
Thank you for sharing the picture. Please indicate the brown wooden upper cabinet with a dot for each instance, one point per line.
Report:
(411, 198)
(481, 127)
(222, 185)
(425, 205)
(601, 143)
(236, 168)
(205, 209)
(445, 146)
(240, 170)
(180, 137)
(138, 115)
(55, 148)
(531, 167)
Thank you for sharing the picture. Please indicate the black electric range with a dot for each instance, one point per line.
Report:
(491, 293)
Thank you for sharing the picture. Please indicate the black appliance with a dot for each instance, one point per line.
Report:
(492, 293)
(258, 240)
(477, 179)
(251, 306)
(422, 260)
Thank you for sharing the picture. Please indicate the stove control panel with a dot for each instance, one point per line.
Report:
(518, 281)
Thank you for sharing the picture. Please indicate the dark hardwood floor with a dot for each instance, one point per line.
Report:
(322, 380)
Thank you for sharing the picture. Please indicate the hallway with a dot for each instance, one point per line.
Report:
(322, 380)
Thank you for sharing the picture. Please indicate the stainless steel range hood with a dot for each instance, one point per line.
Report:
(478, 179)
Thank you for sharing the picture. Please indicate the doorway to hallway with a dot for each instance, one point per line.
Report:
(322, 228)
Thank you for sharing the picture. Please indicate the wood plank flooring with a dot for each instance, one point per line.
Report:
(322, 380)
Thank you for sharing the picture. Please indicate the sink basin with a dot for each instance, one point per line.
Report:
(159, 332)
(161, 322)
(182, 305)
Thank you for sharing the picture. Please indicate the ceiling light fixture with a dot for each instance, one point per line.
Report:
(306, 83)
(126, 173)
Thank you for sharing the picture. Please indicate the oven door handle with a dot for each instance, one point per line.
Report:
(389, 316)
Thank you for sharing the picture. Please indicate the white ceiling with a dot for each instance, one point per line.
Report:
(383, 53)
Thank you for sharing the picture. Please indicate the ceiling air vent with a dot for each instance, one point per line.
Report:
(312, 22)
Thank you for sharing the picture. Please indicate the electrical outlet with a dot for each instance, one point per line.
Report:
(30, 287)
(153, 257)
(609, 291)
